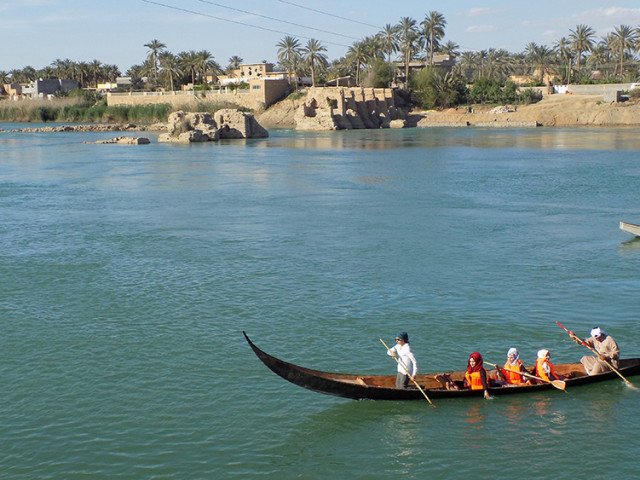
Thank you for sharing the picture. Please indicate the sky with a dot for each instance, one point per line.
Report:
(37, 32)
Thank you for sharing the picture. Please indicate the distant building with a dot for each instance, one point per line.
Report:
(120, 83)
(251, 71)
(347, 81)
(444, 61)
(43, 88)
(14, 90)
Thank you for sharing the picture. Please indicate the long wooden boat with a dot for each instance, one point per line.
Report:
(631, 228)
(382, 387)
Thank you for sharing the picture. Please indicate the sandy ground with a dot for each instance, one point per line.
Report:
(553, 110)
(280, 115)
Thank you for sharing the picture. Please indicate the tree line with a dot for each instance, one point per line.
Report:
(571, 59)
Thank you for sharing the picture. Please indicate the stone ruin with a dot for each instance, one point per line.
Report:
(206, 127)
(340, 108)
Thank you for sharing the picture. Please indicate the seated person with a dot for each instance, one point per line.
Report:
(607, 349)
(512, 366)
(544, 368)
(475, 377)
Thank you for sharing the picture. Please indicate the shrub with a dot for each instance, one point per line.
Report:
(436, 88)
(529, 96)
(379, 76)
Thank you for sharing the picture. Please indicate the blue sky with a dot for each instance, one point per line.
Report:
(36, 32)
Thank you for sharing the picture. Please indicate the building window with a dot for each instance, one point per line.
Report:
(256, 87)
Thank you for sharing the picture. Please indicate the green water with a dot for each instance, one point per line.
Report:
(128, 273)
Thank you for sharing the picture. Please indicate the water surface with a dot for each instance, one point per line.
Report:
(128, 273)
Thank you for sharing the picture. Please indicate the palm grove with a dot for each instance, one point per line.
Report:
(477, 77)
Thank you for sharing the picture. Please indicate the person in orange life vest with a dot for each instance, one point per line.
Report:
(544, 368)
(476, 376)
(511, 367)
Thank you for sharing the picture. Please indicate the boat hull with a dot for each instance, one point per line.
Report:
(382, 387)
(630, 228)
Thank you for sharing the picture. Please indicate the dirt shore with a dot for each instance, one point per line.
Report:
(552, 111)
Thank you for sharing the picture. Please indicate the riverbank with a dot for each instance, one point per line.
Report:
(551, 111)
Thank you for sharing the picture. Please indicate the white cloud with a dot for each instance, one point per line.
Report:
(609, 16)
(477, 12)
(481, 28)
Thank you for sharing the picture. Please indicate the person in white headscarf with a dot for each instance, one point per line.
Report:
(544, 368)
(607, 350)
(512, 366)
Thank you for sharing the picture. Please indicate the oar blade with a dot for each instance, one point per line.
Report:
(559, 384)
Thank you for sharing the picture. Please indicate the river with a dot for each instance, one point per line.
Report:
(129, 272)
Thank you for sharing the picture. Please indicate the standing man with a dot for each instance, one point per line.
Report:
(407, 364)
(607, 349)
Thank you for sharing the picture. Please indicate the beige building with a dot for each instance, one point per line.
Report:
(251, 71)
(13, 89)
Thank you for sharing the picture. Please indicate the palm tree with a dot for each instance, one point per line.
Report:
(373, 47)
(582, 40)
(234, 63)
(450, 48)
(136, 72)
(189, 63)
(600, 57)
(408, 36)
(623, 39)
(206, 62)
(563, 49)
(95, 71)
(541, 58)
(170, 67)
(63, 68)
(4, 76)
(289, 54)
(468, 65)
(495, 64)
(389, 40)
(357, 55)
(433, 31)
(111, 72)
(313, 54)
(155, 47)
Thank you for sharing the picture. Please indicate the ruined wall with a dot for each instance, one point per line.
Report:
(338, 108)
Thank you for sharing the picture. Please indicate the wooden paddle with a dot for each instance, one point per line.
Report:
(579, 341)
(401, 363)
(559, 384)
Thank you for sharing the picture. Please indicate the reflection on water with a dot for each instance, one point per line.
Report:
(633, 244)
(538, 138)
(475, 417)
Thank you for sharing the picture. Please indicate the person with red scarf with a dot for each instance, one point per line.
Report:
(475, 377)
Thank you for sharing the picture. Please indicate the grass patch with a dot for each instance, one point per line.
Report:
(81, 110)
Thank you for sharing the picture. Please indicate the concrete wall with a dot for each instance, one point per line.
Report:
(259, 95)
(603, 89)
